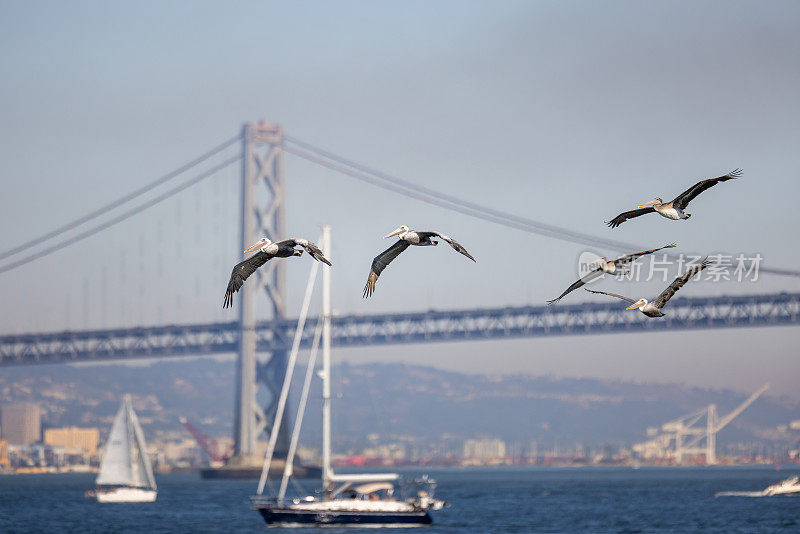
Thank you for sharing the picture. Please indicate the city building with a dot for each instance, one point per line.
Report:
(484, 449)
(180, 452)
(21, 424)
(388, 451)
(72, 437)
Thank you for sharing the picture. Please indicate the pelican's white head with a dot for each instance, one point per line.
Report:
(399, 231)
(655, 202)
(638, 304)
(261, 243)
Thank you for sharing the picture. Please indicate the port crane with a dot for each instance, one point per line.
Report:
(207, 444)
(684, 436)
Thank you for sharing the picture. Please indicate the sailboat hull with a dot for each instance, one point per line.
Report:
(126, 495)
(286, 516)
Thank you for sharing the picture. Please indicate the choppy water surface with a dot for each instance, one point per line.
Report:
(483, 500)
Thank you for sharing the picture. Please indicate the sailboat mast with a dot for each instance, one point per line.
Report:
(130, 434)
(326, 360)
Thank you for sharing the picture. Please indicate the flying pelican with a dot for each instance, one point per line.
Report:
(269, 250)
(605, 266)
(653, 309)
(407, 237)
(673, 210)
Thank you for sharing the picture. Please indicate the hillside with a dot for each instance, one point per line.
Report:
(389, 400)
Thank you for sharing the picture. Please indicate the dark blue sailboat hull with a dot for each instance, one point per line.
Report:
(277, 515)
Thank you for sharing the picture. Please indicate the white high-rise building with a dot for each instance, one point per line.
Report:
(484, 449)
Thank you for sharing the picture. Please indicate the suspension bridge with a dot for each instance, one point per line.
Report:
(262, 212)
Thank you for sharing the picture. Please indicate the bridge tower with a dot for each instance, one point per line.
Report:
(263, 214)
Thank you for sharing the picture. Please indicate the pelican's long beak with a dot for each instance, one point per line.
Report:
(258, 244)
(648, 204)
(633, 306)
(396, 232)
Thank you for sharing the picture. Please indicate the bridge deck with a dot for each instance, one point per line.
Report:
(420, 327)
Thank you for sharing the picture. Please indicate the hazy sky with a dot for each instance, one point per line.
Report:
(564, 112)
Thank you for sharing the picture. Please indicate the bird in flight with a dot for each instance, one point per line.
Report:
(610, 267)
(268, 250)
(406, 238)
(674, 209)
(653, 309)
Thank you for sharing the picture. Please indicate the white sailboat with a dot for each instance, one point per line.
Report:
(358, 499)
(126, 474)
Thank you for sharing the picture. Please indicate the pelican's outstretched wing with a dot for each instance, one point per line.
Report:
(609, 294)
(592, 275)
(453, 243)
(312, 249)
(682, 200)
(630, 257)
(678, 283)
(622, 217)
(379, 264)
(240, 273)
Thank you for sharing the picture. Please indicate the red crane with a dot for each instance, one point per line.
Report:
(207, 444)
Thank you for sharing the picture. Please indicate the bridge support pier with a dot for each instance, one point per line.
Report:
(262, 153)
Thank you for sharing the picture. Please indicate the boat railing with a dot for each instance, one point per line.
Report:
(262, 500)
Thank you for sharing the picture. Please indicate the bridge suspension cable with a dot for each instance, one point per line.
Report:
(119, 202)
(430, 196)
(366, 174)
(119, 218)
(340, 164)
